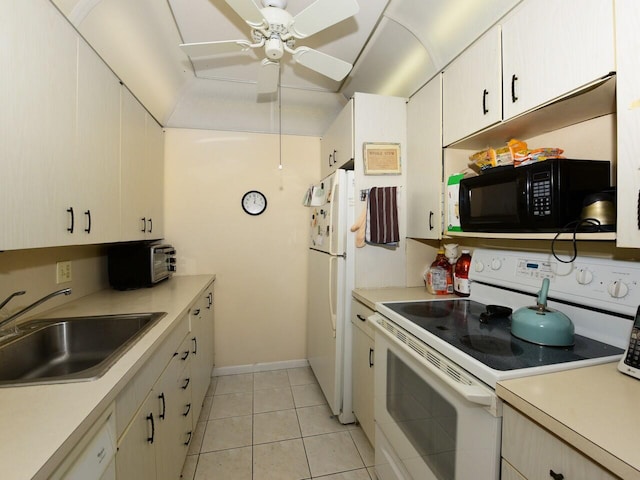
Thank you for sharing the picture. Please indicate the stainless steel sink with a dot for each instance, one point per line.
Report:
(70, 349)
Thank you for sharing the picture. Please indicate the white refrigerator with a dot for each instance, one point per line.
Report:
(330, 281)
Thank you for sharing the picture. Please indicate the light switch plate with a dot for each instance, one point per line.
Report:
(63, 272)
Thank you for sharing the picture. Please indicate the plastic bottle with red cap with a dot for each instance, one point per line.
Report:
(461, 286)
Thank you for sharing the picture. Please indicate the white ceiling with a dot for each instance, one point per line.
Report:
(396, 46)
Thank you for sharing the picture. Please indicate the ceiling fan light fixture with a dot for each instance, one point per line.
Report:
(273, 48)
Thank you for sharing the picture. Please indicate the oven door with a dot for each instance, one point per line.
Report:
(432, 422)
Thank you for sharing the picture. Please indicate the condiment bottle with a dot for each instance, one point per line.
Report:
(461, 285)
(439, 276)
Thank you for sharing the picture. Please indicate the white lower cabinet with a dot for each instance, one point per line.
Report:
(201, 316)
(153, 444)
(363, 349)
(156, 413)
(531, 452)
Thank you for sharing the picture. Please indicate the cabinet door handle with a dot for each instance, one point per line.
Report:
(195, 345)
(186, 384)
(335, 157)
(210, 299)
(430, 220)
(72, 216)
(514, 79)
(361, 318)
(188, 410)
(185, 355)
(196, 312)
(370, 357)
(164, 406)
(330, 159)
(556, 476)
(188, 439)
(153, 428)
(88, 214)
(484, 102)
(144, 224)
(150, 225)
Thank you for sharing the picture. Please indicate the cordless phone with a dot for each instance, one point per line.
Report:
(630, 361)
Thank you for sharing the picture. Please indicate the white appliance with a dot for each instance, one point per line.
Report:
(330, 281)
(437, 362)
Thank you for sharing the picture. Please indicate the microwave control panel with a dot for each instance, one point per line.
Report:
(541, 194)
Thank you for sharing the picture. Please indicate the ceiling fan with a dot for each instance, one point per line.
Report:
(275, 29)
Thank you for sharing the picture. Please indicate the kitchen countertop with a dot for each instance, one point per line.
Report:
(591, 408)
(42, 423)
(369, 296)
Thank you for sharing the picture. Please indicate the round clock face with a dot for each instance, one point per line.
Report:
(254, 202)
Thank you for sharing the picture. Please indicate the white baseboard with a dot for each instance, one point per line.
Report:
(258, 367)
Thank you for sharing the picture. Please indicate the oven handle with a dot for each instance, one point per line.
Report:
(473, 393)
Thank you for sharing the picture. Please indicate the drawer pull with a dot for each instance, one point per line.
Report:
(188, 439)
(186, 384)
(185, 355)
(187, 411)
(164, 406)
(556, 476)
(514, 79)
(153, 428)
(195, 346)
(71, 216)
(361, 318)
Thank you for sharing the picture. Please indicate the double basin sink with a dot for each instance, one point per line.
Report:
(60, 350)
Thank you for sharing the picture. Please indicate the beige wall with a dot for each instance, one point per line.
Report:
(260, 262)
(34, 271)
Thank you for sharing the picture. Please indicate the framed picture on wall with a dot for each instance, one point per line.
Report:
(381, 158)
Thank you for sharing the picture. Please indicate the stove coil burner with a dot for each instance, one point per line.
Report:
(493, 346)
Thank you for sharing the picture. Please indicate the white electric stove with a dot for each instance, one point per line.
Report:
(437, 362)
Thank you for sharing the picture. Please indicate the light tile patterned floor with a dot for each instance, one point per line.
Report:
(274, 425)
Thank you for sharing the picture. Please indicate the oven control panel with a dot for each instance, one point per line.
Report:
(612, 285)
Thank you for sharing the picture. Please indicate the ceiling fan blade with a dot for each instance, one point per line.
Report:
(248, 11)
(327, 65)
(204, 49)
(322, 14)
(268, 77)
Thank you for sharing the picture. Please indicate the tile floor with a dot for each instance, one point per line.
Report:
(274, 425)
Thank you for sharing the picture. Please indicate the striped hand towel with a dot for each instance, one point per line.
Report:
(382, 221)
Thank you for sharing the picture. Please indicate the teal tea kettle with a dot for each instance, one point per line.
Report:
(542, 325)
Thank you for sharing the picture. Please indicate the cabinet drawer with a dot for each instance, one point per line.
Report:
(534, 452)
(359, 314)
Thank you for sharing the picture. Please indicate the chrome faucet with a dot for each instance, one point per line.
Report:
(11, 318)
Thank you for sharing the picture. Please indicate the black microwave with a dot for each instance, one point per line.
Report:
(140, 264)
(541, 197)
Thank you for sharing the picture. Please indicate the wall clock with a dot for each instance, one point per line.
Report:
(254, 202)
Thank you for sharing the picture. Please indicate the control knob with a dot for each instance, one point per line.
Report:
(618, 289)
(479, 266)
(496, 264)
(584, 276)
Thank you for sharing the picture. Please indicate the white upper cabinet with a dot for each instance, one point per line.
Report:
(424, 164)
(551, 47)
(628, 131)
(142, 149)
(97, 158)
(38, 67)
(336, 147)
(472, 89)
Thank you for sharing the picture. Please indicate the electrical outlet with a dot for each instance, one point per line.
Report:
(63, 272)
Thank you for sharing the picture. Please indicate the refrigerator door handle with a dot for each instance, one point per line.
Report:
(332, 217)
(332, 312)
